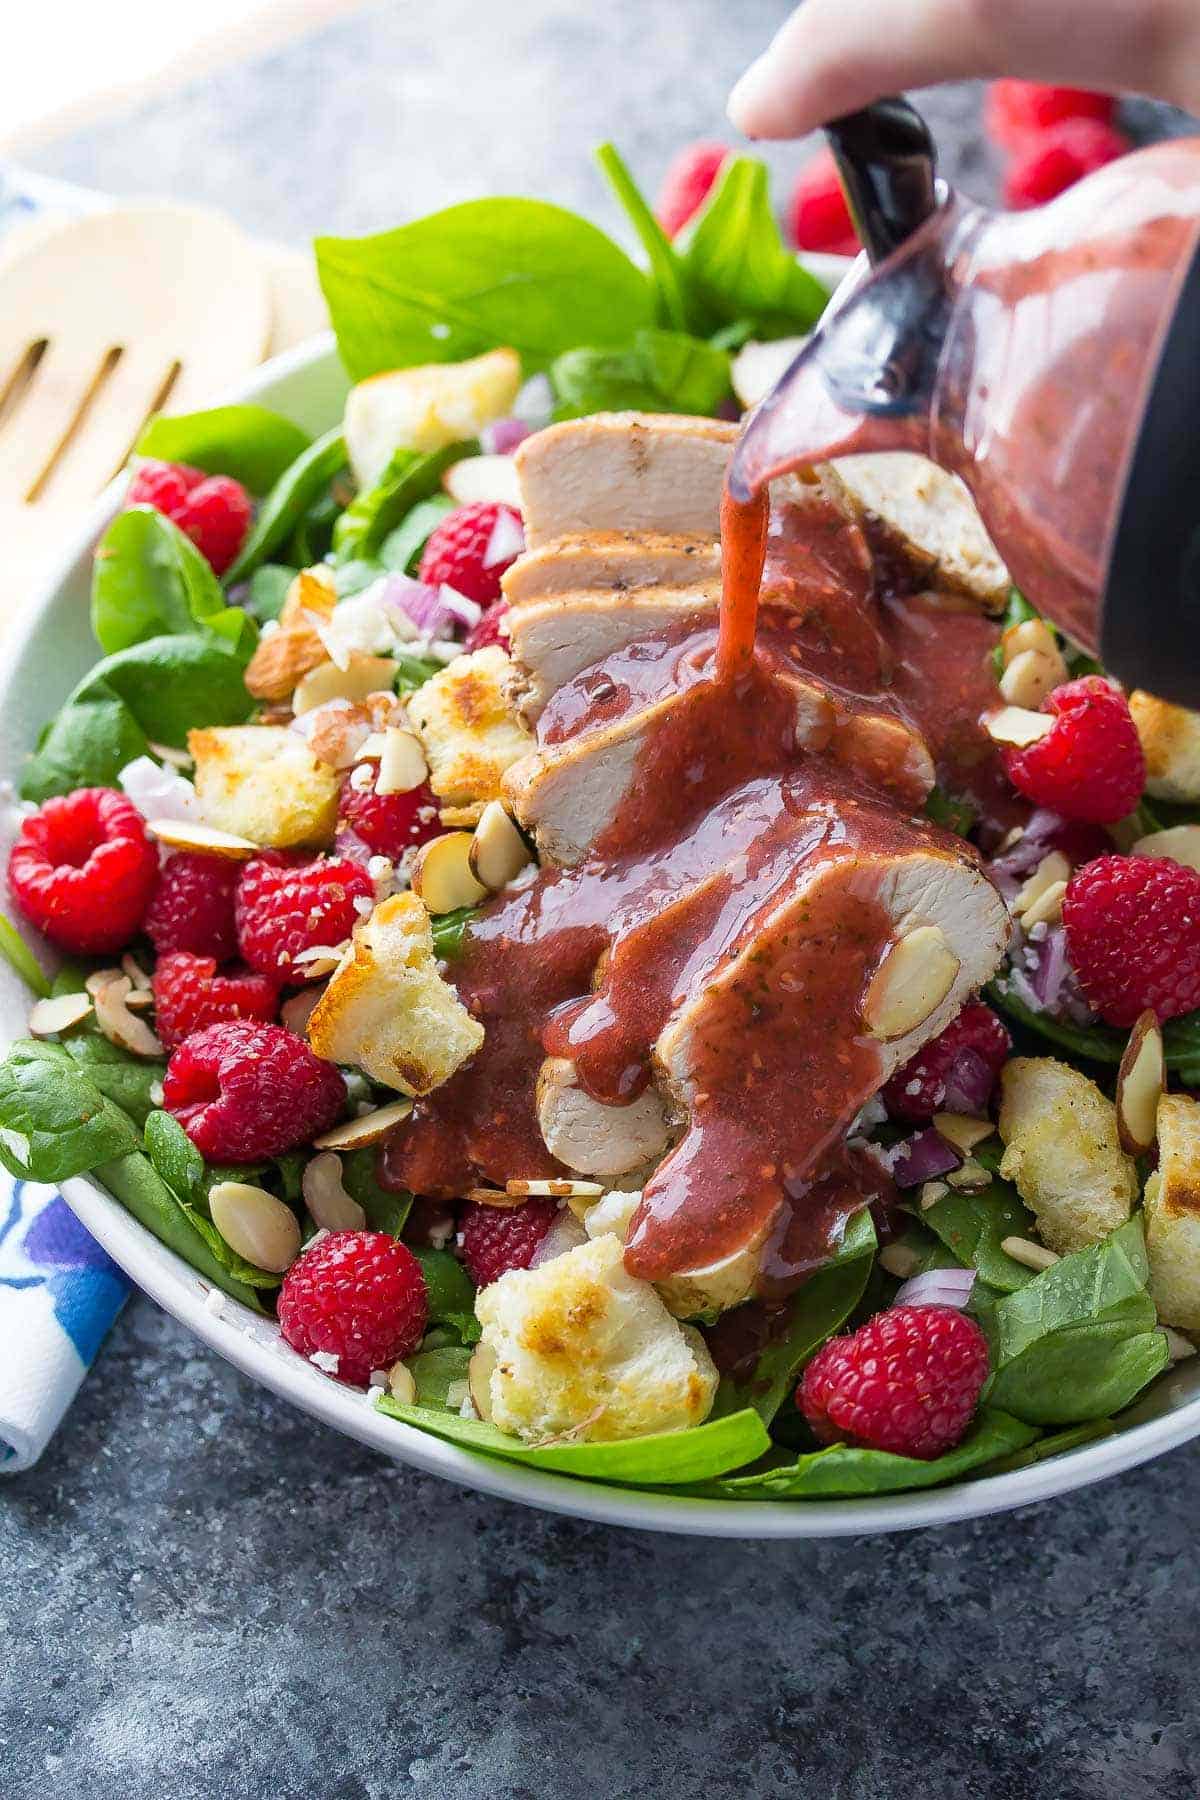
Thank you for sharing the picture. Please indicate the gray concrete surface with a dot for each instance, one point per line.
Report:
(203, 1594)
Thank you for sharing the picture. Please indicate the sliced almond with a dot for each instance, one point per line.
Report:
(1030, 634)
(555, 1190)
(484, 478)
(47, 1017)
(295, 1013)
(1053, 868)
(168, 753)
(369, 1128)
(961, 1130)
(255, 1224)
(911, 982)
(1047, 908)
(1141, 1079)
(1015, 725)
(497, 1197)
(336, 733)
(498, 851)
(319, 960)
(1179, 1348)
(329, 1205)
(932, 1192)
(1029, 1254)
(441, 874)
(372, 749)
(401, 1383)
(364, 675)
(970, 1177)
(1180, 842)
(102, 978)
(282, 659)
(132, 967)
(119, 1025)
(479, 1379)
(1030, 676)
(402, 765)
(184, 834)
(899, 1260)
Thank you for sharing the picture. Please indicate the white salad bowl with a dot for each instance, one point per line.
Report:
(48, 651)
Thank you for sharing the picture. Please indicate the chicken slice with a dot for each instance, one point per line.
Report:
(554, 639)
(931, 517)
(611, 562)
(590, 1138)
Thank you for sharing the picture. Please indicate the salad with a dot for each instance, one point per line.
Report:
(763, 1077)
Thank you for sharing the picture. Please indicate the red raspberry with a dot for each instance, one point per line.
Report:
(459, 550)
(192, 908)
(1051, 163)
(907, 1381)
(1016, 111)
(1133, 936)
(1090, 764)
(189, 994)
(496, 1239)
(356, 1295)
(389, 824)
(83, 870)
(690, 178)
(960, 1065)
(491, 629)
(213, 510)
(817, 215)
(242, 1090)
(285, 906)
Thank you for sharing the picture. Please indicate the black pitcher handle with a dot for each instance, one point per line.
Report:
(885, 158)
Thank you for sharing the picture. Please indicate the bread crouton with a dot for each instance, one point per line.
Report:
(426, 408)
(282, 657)
(1063, 1153)
(1171, 743)
(262, 782)
(387, 1010)
(469, 728)
(1172, 1207)
(581, 1346)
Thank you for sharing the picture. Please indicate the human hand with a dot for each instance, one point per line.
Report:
(832, 56)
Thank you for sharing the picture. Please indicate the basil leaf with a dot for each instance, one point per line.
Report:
(401, 549)
(20, 958)
(973, 1225)
(738, 265)
(664, 1458)
(299, 487)
(149, 580)
(141, 1190)
(666, 269)
(434, 1371)
(449, 932)
(411, 475)
(251, 443)
(661, 371)
(54, 1121)
(512, 272)
(385, 1211)
(451, 1293)
(268, 590)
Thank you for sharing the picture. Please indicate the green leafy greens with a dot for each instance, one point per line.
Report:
(251, 443)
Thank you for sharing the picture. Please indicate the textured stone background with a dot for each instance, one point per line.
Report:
(203, 1594)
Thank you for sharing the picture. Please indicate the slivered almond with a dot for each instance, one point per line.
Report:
(498, 851)
(255, 1224)
(401, 1383)
(184, 834)
(1029, 1254)
(911, 982)
(479, 1379)
(329, 1205)
(1030, 634)
(1053, 868)
(119, 1025)
(961, 1130)
(59, 1014)
(497, 1197)
(1047, 908)
(1030, 676)
(1180, 842)
(1141, 1079)
(555, 1190)
(368, 1128)
(441, 874)
(364, 675)
(1016, 725)
(402, 765)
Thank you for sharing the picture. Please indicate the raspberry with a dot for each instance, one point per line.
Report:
(285, 906)
(1016, 111)
(83, 870)
(1090, 765)
(192, 908)
(961, 1064)
(1133, 936)
(242, 1090)
(491, 629)
(1058, 158)
(690, 178)
(213, 510)
(356, 1295)
(907, 1381)
(495, 1239)
(389, 824)
(459, 551)
(189, 994)
(817, 215)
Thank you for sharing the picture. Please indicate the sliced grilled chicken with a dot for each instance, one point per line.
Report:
(555, 639)
(593, 1139)
(611, 561)
(931, 518)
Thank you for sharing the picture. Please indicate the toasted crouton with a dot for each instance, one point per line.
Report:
(388, 1011)
(581, 1346)
(1063, 1153)
(426, 408)
(469, 728)
(282, 657)
(1172, 1207)
(1171, 742)
(262, 782)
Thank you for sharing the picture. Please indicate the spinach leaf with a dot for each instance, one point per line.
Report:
(487, 273)
(972, 1226)
(175, 1158)
(149, 580)
(1054, 1444)
(664, 1458)
(954, 814)
(660, 371)
(666, 269)
(20, 958)
(449, 931)
(843, 1471)
(299, 487)
(141, 1190)
(268, 590)
(385, 1211)
(87, 745)
(1079, 1341)
(313, 534)
(435, 1370)
(54, 1121)
(130, 1081)
(248, 442)
(401, 549)
(451, 1293)
(737, 264)
(410, 476)
(412, 672)
(1100, 1043)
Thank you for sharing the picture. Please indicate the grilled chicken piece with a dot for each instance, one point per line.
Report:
(930, 517)
(590, 1138)
(553, 640)
(611, 561)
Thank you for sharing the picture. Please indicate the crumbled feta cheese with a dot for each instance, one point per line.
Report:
(214, 1302)
(326, 1360)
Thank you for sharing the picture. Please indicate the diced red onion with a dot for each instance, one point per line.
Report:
(922, 1157)
(348, 843)
(566, 1233)
(429, 611)
(937, 1287)
(507, 540)
(1046, 831)
(159, 793)
(535, 402)
(1050, 971)
(502, 436)
(969, 1084)
(458, 606)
